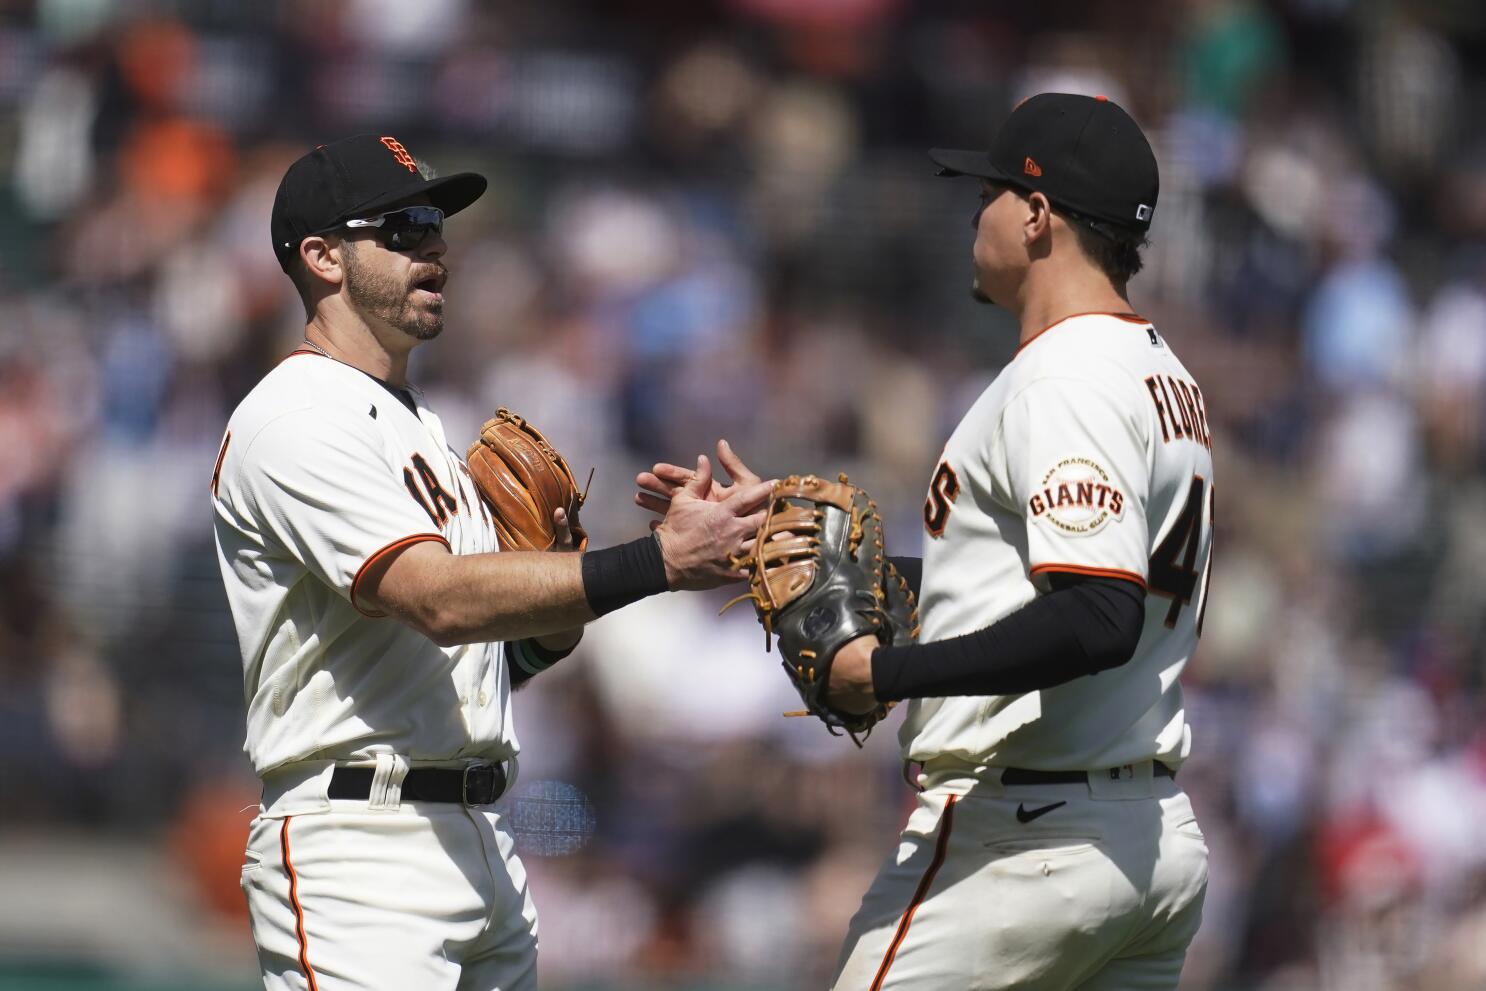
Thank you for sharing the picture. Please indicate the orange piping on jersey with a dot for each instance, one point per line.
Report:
(1078, 569)
(416, 538)
(941, 847)
(221, 456)
(304, 943)
(1127, 317)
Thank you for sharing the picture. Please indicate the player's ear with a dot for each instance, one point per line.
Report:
(1037, 220)
(322, 259)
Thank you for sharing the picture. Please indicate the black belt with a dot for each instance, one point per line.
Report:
(477, 784)
(1022, 776)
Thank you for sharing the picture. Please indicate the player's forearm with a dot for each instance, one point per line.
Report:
(515, 595)
(480, 598)
(1077, 629)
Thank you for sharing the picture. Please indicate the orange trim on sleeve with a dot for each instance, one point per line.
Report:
(304, 944)
(941, 848)
(396, 545)
(1079, 569)
(1127, 317)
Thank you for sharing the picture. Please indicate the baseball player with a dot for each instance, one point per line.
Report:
(1068, 537)
(381, 632)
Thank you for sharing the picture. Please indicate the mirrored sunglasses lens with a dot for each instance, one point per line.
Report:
(407, 229)
(430, 215)
(405, 239)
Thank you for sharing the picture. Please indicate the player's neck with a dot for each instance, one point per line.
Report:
(357, 345)
(1052, 293)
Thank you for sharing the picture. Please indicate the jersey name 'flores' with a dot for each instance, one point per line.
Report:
(1089, 454)
(322, 471)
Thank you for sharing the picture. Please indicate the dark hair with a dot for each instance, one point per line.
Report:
(1116, 250)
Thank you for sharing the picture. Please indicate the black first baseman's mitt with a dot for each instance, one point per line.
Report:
(818, 578)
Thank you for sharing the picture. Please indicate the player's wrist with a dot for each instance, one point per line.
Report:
(671, 570)
(887, 665)
(851, 676)
(614, 577)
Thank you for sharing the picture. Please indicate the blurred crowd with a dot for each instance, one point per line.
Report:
(717, 220)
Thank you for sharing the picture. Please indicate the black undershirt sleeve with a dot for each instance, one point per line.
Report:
(525, 658)
(912, 570)
(1084, 625)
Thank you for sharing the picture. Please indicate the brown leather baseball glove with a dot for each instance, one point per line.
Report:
(523, 480)
(818, 578)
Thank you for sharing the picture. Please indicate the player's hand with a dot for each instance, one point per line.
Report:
(564, 528)
(660, 483)
(700, 536)
(850, 687)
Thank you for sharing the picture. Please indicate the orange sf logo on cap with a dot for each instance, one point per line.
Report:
(402, 155)
(1031, 167)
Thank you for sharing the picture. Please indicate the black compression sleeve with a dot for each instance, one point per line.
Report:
(616, 576)
(912, 569)
(1083, 626)
(525, 658)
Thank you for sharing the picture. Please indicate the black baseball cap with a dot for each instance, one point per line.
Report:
(1084, 153)
(357, 177)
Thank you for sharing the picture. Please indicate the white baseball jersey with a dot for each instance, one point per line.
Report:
(323, 471)
(1089, 454)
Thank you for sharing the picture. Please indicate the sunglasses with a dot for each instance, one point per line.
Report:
(405, 229)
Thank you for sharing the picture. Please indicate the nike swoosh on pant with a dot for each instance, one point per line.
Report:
(1025, 815)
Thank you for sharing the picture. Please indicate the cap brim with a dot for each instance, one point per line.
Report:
(450, 193)
(453, 193)
(956, 162)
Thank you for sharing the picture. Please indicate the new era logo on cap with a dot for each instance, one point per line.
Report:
(1143, 212)
(1031, 168)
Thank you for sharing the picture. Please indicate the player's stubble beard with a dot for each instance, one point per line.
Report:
(391, 301)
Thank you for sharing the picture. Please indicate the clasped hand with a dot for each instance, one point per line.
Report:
(850, 687)
(704, 525)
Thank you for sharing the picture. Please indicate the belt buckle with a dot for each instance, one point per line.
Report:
(482, 784)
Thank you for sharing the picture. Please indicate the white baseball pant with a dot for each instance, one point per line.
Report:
(1093, 887)
(385, 894)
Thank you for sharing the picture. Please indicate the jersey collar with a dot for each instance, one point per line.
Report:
(1134, 318)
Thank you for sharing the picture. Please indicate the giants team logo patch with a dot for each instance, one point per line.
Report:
(1077, 497)
(403, 156)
